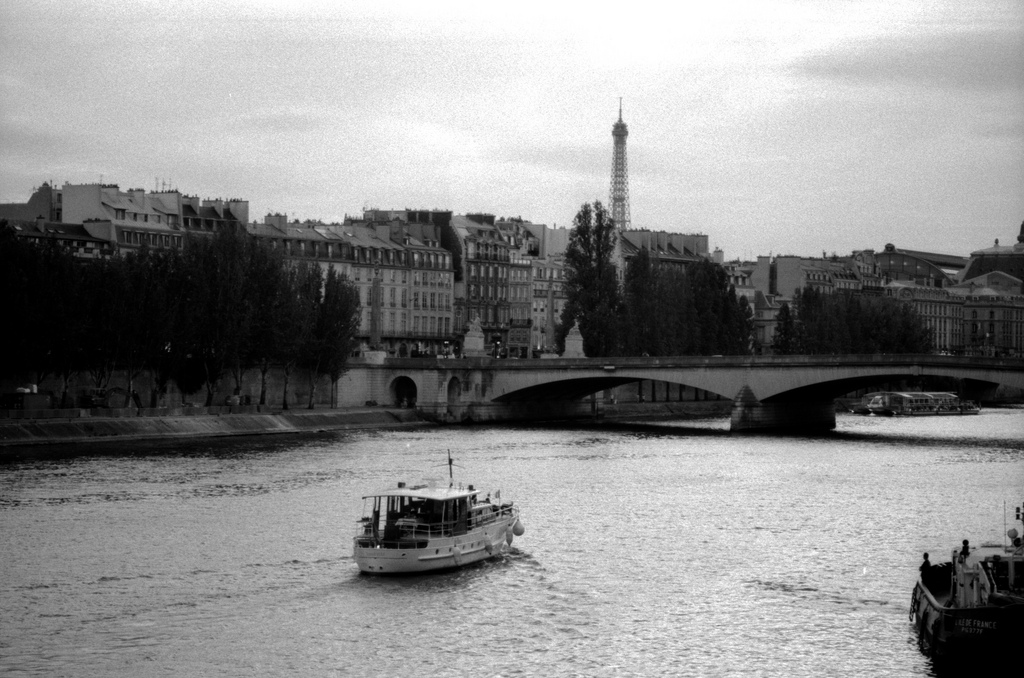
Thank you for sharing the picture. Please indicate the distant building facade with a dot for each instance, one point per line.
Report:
(403, 276)
(75, 238)
(940, 308)
(46, 203)
(992, 315)
(127, 220)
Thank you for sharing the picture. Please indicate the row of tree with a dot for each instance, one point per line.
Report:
(657, 310)
(660, 310)
(217, 308)
(845, 323)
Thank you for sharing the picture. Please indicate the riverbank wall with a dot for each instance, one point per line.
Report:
(57, 427)
(84, 426)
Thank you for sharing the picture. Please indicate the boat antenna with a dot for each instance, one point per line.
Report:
(451, 475)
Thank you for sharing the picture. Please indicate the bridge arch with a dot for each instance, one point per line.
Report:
(403, 392)
(575, 389)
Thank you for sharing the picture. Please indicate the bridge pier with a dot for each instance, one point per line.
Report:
(750, 414)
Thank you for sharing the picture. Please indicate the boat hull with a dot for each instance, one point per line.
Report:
(437, 553)
(951, 632)
(924, 413)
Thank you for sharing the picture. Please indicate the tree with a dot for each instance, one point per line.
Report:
(106, 317)
(298, 314)
(643, 312)
(260, 269)
(44, 291)
(215, 297)
(269, 328)
(743, 324)
(158, 277)
(723, 322)
(593, 298)
(784, 341)
(843, 323)
(328, 345)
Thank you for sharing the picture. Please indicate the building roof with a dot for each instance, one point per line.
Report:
(468, 228)
(51, 228)
(266, 231)
(991, 283)
(662, 245)
(945, 261)
(1005, 258)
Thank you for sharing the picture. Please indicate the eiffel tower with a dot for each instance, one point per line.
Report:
(618, 197)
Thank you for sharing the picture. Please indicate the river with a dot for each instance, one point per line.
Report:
(655, 549)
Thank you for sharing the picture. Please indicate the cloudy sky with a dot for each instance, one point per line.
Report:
(772, 126)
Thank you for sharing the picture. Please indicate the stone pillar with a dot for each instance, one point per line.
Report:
(750, 414)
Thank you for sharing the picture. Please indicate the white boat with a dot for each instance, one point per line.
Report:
(915, 404)
(422, 528)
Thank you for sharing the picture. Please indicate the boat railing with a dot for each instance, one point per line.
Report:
(414, 528)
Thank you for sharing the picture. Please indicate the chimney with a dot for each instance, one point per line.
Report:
(138, 196)
(217, 205)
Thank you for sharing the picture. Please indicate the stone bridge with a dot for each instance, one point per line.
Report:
(768, 392)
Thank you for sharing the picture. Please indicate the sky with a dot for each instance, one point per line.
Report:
(771, 126)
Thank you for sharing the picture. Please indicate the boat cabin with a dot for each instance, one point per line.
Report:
(409, 517)
(917, 402)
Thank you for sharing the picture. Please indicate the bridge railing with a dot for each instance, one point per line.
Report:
(706, 361)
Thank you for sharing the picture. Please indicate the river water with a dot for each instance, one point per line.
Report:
(668, 549)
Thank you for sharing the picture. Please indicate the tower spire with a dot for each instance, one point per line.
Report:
(619, 194)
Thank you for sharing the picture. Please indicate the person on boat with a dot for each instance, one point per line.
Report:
(966, 550)
(926, 571)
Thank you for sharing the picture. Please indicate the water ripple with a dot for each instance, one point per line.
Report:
(650, 550)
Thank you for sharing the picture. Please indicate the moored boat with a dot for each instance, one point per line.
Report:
(972, 604)
(422, 528)
(915, 404)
